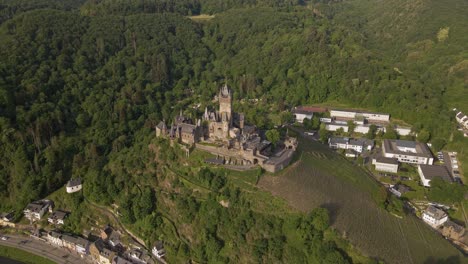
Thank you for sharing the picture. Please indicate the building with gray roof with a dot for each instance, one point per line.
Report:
(428, 172)
(407, 151)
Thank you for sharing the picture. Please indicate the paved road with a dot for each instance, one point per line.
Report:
(37, 247)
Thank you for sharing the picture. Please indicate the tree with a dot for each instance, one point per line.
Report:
(390, 133)
(324, 133)
(423, 136)
(438, 144)
(351, 126)
(372, 132)
(446, 192)
(273, 136)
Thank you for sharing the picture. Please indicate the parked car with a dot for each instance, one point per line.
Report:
(4, 238)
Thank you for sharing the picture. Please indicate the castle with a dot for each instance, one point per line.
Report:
(231, 140)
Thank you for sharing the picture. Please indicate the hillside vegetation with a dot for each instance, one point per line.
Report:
(83, 83)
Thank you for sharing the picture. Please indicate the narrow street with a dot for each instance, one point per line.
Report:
(40, 248)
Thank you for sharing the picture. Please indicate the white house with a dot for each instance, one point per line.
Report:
(74, 185)
(300, 114)
(429, 172)
(335, 126)
(407, 151)
(35, 210)
(386, 164)
(55, 238)
(158, 249)
(57, 217)
(359, 145)
(434, 216)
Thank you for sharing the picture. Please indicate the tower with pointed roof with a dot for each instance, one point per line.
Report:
(225, 104)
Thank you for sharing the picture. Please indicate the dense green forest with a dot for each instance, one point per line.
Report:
(83, 83)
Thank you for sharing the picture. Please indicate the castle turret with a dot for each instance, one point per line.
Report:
(225, 103)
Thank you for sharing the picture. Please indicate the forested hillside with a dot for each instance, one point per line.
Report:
(83, 83)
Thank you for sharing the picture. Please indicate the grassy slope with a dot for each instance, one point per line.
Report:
(23, 256)
(323, 178)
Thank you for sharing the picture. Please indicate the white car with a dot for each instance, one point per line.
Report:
(4, 238)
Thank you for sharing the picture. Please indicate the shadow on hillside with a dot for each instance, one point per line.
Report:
(449, 260)
(333, 210)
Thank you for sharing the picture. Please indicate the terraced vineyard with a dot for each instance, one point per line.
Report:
(323, 178)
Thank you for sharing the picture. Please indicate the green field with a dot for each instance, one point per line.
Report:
(323, 178)
(23, 256)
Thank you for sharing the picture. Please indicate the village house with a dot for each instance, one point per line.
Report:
(35, 210)
(434, 216)
(74, 185)
(407, 151)
(399, 189)
(101, 253)
(462, 119)
(55, 238)
(453, 231)
(76, 244)
(6, 219)
(138, 256)
(57, 217)
(111, 236)
(428, 172)
(158, 249)
(301, 113)
(359, 145)
(120, 260)
(385, 164)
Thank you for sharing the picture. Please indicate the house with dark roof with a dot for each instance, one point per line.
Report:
(434, 216)
(453, 231)
(400, 189)
(386, 164)
(428, 172)
(7, 217)
(74, 185)
(158, 249)
(407, 151)
(120, 260)
(35, 210)
(57, 217)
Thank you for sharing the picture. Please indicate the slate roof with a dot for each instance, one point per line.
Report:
(432, 171)
(390, 146)
(405, 143)
(435, 213)
(162, 125)
(74, 182)
(58, 215)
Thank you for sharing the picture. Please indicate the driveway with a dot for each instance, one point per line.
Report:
(40, 248)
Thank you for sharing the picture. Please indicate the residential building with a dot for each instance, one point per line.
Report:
(399, 189)
(359, 145)
(77, 244)
(137, 256)
(57, 217)
(386, 164)
(35, 210)
(101, 253)
(55, 238)
(335, 126)
(462, 119)
(429, 172)
(453, 231)
(74, 185)
(300, 114)
(403, 131)
(7, 217)
(111, 236)
(434, 216)
(158, 249)
(120, 260)
(407, 151)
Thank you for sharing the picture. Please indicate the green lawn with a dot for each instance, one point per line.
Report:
(23, 256)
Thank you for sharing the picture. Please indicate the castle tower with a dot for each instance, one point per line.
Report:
(225, 103)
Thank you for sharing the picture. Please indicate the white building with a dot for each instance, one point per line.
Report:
(386, 164)
(359, 145)
(434, 216)
(300, 114)
(407, 151)
(403, 131)
(57, 217)
(462, 119)
(158, 249)
(35, 210)
(353, 114)
(55, 238)
(429, 172)
(74, 185)
(335, 127)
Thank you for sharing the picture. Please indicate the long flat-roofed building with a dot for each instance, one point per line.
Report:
(386, 164)
(428, 172)
(407, 151)
(353, 114)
